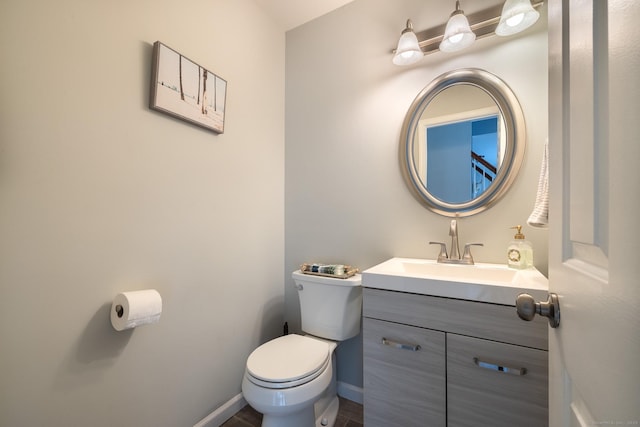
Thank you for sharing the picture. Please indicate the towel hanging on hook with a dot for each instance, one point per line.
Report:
(540, 215)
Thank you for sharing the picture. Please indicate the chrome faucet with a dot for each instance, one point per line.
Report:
(454, 256)
(454, 251)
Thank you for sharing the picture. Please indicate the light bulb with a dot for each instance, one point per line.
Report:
(456, 38)
(515, 20)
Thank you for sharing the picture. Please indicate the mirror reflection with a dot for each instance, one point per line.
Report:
(460, 144)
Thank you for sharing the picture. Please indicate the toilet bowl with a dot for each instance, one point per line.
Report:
(286, 377)
(291, 380)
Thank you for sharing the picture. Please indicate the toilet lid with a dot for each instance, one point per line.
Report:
(288, 358)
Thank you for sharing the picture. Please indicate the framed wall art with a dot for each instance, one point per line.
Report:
(184, 89)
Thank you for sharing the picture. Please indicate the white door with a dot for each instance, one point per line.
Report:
(594, 235)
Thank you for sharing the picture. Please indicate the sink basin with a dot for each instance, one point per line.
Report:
(493, 273)
(494, 283)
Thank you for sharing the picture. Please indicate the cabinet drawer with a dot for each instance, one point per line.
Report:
(491, 321)
(403, 385)
(485, 386)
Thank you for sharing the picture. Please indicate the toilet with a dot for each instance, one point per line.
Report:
(291, 380)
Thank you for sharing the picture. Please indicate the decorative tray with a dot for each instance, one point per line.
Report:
(349, 271)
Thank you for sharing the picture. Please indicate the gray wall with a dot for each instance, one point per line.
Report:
(345, 199)
(99, 195)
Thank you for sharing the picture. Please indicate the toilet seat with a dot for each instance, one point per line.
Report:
(288, 361)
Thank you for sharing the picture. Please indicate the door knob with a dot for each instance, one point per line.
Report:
(527, 308)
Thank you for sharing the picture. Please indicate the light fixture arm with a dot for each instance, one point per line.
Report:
(408, 28)
(458, 11)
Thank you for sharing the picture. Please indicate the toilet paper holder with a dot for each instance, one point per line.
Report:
(119, 310)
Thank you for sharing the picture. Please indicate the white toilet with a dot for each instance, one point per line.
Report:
(291, 380)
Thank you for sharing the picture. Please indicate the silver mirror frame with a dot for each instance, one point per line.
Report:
(515, 131)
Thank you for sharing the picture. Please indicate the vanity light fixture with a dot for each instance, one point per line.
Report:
(408, 51)
(479, 24)
(458, 34)
(517, 15)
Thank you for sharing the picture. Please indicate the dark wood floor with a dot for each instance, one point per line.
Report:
(349, 415)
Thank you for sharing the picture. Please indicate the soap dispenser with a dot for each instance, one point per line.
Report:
(520, 251)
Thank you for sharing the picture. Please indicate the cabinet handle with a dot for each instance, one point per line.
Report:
(402, 346)
(499, 368)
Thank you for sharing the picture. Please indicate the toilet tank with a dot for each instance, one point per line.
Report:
(329, 308)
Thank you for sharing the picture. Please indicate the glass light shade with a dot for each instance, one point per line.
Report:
(517, 15)
(408, 51)
(457, 34)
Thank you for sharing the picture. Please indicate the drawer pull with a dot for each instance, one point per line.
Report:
(412, 347)
(499, 368)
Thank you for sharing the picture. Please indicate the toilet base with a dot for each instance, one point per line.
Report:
(305, 418)
(301, 418)
(328, 417)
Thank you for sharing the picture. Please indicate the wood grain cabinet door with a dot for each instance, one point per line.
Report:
(404, 375)
(495, 384)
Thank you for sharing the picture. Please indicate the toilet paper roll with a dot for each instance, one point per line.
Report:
(131, 309)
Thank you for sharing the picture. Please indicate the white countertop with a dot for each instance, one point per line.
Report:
(491, 283)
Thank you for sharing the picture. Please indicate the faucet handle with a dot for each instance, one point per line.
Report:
(467, 252)
(443, 250)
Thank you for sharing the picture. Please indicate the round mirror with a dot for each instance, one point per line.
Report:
(462, 142)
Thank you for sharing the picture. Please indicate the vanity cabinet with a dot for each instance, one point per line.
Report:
(436, 361)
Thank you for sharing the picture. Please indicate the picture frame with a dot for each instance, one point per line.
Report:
(184, 89)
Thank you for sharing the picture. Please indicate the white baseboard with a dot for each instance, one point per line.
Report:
(223, 413)
(350, 392)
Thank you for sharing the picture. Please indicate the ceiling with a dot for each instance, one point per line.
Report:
(292, 13)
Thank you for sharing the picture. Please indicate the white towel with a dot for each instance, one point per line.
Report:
(540, 215)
